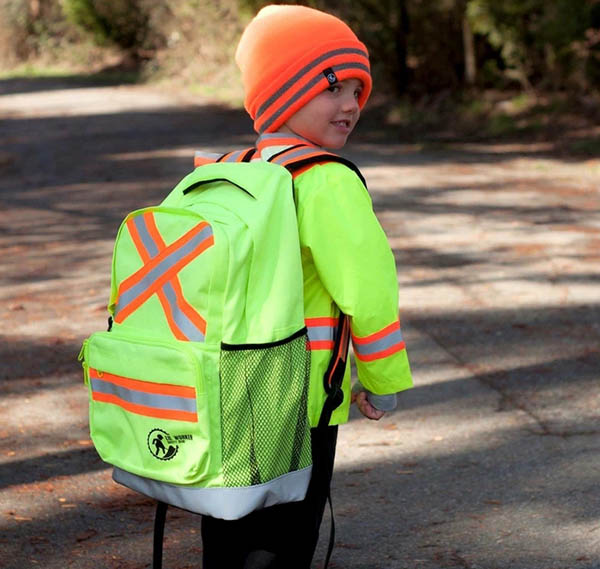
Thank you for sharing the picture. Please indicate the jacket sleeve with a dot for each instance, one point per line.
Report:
(356, 265)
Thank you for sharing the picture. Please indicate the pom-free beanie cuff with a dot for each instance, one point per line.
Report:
(289, 54)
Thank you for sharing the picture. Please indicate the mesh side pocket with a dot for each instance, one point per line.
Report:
(264, 419)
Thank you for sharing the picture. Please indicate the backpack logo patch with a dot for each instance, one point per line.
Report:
(164, 446)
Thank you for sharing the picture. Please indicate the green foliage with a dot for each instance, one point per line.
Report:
(30, 29)
(125, 23)
(539, 42)
(82, 13)
(418, 47)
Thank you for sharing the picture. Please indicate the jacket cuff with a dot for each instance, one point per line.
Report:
(380, 402)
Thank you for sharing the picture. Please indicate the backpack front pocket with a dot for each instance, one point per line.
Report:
(148, 411)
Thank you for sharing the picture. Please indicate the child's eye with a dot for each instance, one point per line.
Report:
(334, 88)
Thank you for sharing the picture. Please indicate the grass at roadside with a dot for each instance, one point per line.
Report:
(34, 71)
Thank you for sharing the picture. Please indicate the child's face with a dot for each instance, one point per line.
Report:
(330, 117)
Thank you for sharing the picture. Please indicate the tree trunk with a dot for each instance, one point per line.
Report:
(401, 44)
(469, 52)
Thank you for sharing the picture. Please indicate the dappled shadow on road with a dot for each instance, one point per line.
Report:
(495, 502)
(66, 182)
(425, 508)
(28, 358)
(49, 466)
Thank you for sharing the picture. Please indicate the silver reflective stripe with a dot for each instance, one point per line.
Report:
(207, 155)
(299, 94)
(316, 333)
(393, 338)
(314, 63)
(169, 261)
(155, 400)
(294, 154)
(151, 247)
(220, 502)
(191, 331)
(233, 157)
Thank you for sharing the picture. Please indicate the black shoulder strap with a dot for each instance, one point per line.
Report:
(332, 382)
(301, 155)
(244, 155)
(159, 532)
(334, 376)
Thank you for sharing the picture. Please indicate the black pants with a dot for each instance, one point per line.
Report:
(282, 536)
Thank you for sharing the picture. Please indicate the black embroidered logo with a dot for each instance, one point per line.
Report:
(164, 446)
(330, 76)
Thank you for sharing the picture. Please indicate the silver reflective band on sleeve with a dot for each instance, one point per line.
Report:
(320, 333)
(391, 339)
(221, 502)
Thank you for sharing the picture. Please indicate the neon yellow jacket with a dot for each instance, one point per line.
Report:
(347, 263)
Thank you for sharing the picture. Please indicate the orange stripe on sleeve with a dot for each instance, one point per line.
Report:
(383, 354)
(377, 335)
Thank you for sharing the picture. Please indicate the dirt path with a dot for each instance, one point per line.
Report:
(492, 460)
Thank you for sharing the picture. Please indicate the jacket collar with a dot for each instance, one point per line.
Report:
(272, 143)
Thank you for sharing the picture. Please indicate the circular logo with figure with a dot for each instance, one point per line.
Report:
(161, 444)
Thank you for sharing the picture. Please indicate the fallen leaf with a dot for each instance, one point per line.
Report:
(89, 533)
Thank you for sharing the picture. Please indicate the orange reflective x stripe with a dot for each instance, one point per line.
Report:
(159, 275)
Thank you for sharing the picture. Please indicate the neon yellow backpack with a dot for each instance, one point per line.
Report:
(198, 392)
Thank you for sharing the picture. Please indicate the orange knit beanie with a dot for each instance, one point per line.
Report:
(289, 54)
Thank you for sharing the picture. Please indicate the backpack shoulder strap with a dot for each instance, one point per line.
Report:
(297, 158)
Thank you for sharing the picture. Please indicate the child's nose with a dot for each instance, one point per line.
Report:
(350, 104)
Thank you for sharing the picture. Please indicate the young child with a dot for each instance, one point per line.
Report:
(306, 78)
